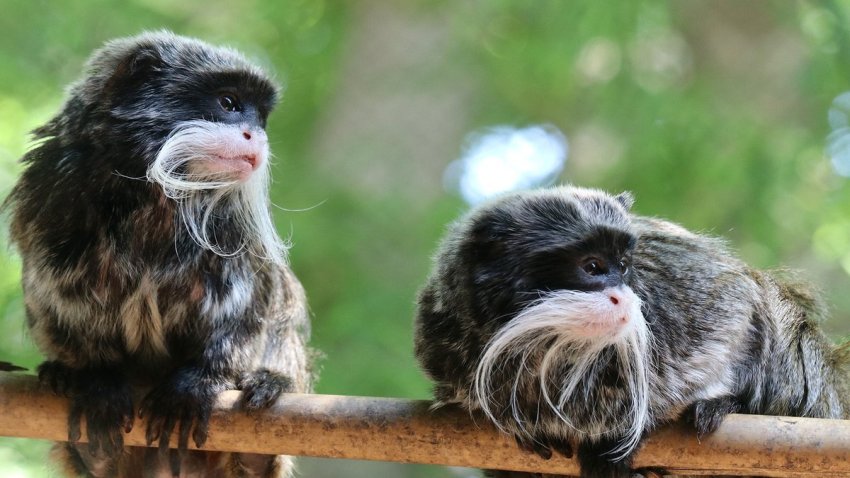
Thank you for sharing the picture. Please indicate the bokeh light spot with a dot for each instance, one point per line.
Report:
(502, 159)
(838, 140)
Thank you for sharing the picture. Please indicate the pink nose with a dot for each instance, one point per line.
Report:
(619, 302)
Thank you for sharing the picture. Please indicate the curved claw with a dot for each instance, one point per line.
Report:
(75, 414)
(165, 433)
(180, 408)
(183, 436)
(102, 398)
(201, 428)
(562, 446)
(534, 445)
(545, 446)
(56, 375)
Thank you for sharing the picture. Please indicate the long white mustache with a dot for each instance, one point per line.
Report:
(563, 322)
(202, 196)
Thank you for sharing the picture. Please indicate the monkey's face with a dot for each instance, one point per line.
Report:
(218, 135)
(195, 115)
(549, 274)
(535, 250)
(229, 147)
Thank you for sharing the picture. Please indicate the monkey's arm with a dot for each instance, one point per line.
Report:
(262, 353)
(183, 401)
(282, 364)
(186, 397)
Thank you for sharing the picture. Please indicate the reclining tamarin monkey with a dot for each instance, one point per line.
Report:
(576, 325)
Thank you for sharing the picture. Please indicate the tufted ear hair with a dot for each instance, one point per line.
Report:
(626, 199)
(481, 244)
(132, 70)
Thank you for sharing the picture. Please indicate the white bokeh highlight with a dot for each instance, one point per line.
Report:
(838, 141)
(502, 159)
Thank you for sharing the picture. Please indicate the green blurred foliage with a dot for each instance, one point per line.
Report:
(712, 113)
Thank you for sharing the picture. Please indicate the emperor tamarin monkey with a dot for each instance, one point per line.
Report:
(573, 324)
(150, 258)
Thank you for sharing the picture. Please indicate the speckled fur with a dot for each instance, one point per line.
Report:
(723, 337)
(117, 293)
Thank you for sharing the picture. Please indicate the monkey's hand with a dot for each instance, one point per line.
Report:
(261, 388)
(101, 396)
(707, 415)
(544, 446)
(185, 399)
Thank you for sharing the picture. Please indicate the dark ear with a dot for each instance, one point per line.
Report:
(133, 70)
(481, 245)
(626, 199)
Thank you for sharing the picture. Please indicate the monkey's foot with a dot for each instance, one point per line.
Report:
(186, 400)
(261, 388)
(650, 473)
(104, 399)
(545, 446)
(595, 460)
(707, 415)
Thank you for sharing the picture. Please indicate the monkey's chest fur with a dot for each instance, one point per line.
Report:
(141, 294)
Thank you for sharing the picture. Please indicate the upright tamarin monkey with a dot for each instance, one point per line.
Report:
(150, 258)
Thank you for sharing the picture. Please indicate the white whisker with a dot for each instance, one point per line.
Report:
(305, 209)
(134, 178)
(204, 196)
(555, 342)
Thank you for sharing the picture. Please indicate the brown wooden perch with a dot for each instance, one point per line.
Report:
(390, 429)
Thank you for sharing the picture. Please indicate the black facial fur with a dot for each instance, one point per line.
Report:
(512, 264)
(724, 338)
(119, 294)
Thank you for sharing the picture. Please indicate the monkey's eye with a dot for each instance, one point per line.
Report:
(594, 266)
(229, 103)
(624, 265)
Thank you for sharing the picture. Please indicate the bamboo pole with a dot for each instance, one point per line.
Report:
(389, 429)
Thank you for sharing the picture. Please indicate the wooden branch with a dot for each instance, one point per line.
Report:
(389, 429)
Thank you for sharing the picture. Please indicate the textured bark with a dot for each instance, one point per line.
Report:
(390, 429)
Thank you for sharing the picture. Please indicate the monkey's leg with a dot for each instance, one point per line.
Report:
(282, 368)
(101, 396)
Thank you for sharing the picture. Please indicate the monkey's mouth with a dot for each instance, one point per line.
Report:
(606, 326)
(239, 167)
